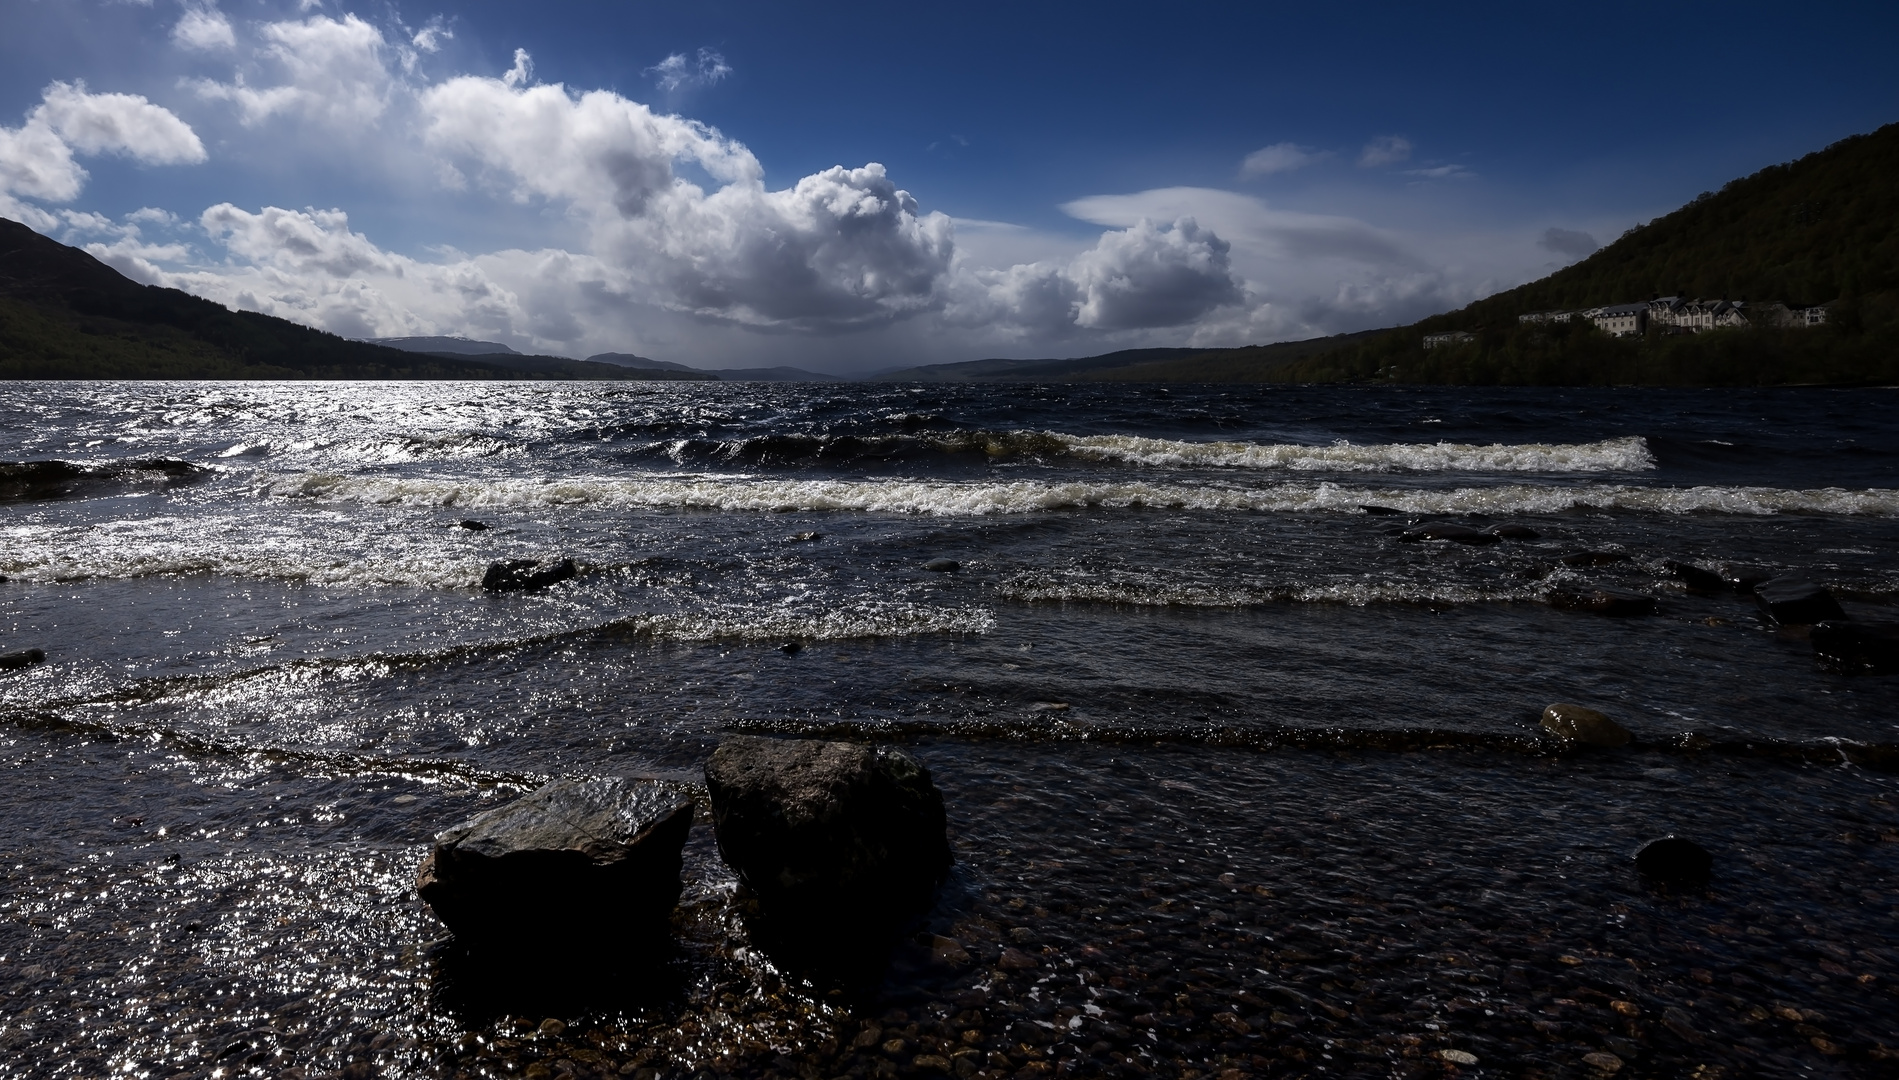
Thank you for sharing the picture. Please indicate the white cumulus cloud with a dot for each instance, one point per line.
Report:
(841, 248)
(204, 28)
(1279, 158)
(36, 158)
(331, 70)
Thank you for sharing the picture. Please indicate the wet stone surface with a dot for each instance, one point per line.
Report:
(1186, 911)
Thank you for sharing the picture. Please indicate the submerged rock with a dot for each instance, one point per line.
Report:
(473, 526)
(1585, 726)
(830, 836)
(520, 575)
(1790, 600)
(942, 566)
(1601, 600)
(14, 661)
(1375, 510)
(1513, 531)
(1743, 579)
(1696, 578)
(1594, 558)
(1673, 860)
(578, 864)
(1855, 648)
(1447, 530)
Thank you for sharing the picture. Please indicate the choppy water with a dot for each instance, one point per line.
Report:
(1254, 786)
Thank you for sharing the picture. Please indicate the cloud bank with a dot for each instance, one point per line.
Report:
(661, 232)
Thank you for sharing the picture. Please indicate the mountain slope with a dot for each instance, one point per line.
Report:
(1823, 229)
(66, 315)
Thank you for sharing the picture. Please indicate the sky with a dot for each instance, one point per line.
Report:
(849, 187)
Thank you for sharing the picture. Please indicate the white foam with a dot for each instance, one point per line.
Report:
(981, 498)
(1629, 454)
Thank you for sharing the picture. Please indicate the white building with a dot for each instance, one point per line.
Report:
(1620, 320)
(1449, 337)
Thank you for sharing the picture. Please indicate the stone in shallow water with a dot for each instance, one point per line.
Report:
(942, 566)
(829, 835)
(521, 575)
(1696, 578)
(1585, 726)
(1594, 558)
(1791, 601)
(575, 864)
(1448, 530)
(1600, 600)
(1674, 861)
(1846, 648)
(14, 661)
(473, 526)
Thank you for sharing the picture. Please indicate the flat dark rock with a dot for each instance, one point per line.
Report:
(835, 836)
(1696, 578)
(473, 526)
(526, 575)
(1594, 558)
(1380, 511)
(1600, 600)
(942, 566)
(1792, 601)
(1674, 861)
(1447, 530)
(1512, 531)
(14, 661)
(1856, 648)
(578, 864)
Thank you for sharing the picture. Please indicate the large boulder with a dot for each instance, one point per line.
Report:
(829, 836)
(1851, 648)
(1573, 723)
(578, 864)
(526, 575)
(1790, 600)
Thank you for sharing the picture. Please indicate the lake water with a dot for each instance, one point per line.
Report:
(1255, 786)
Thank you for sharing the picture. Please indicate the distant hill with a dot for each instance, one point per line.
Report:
(1250, 363)
(1820, 230)
(770, 374)
(462, 346)
(66, 315)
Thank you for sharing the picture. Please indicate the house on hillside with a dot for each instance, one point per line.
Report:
(1545, 316)
(1619, 320)
(1449, 337)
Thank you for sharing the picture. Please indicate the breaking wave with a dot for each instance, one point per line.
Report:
(1630, 454)
(951, 498)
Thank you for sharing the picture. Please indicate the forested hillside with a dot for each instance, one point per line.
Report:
(1820, 230)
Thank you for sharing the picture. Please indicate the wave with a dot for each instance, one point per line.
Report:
(1630, 454)
(1352, 593)
(982, 498)
(392, 451)
(27, 481)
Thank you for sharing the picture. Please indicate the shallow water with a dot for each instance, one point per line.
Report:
(1242, 781)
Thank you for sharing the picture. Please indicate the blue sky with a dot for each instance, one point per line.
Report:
(852, 186)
